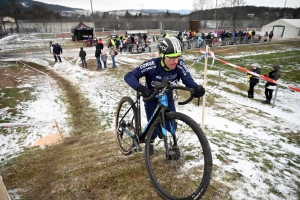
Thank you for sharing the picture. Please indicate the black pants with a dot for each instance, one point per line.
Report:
(57, 56)
(268, 93)
(251, 89)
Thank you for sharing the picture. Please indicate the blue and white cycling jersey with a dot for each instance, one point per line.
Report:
(155, 70)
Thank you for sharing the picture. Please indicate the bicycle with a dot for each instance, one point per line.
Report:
(181, 164)
(89, 44)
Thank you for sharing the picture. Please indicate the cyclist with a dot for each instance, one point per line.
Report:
(170, 65)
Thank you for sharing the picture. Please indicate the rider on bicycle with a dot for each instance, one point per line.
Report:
(170, 65)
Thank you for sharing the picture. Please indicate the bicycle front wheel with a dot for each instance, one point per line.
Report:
(181, 164)
(125, 122)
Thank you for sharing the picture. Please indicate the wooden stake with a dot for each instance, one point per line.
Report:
(17, 65)
(56, 124)
(204, 85)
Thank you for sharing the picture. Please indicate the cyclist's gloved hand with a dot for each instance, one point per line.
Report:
(199, 91)
(144, 91)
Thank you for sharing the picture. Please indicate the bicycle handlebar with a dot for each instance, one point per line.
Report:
(166, 84)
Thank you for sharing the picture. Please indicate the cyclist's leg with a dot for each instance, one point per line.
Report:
(150, 107)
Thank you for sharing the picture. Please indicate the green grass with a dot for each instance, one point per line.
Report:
(12, 97)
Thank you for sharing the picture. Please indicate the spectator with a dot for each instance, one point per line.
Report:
(270, 36)
(97, 55)
(166, 35)
(57, 50)
(82, 55)
(121, 45)
(117, 41)
(89, 40)
(253, 79)
(180, 34)
(253, 33)
(200, 40)
(266, 37)
(111, 46)
(275, 75)
(132, 39)
(100, 44)
(149, 43)
(145, 38)
(125, 44)
(51, 51)
(104, 58)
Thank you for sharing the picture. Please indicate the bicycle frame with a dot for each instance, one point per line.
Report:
(160, 110)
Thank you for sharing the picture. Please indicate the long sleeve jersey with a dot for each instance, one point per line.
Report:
(153, 70)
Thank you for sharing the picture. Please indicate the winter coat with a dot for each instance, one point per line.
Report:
(82, 54)
(111, 43)
(271, 34)
(274, 74)
(255, 79)
(57, 49)
(97, 52)
(103, 57)
(100, 46)
(112, 50)
(149, 41)
(51, 48)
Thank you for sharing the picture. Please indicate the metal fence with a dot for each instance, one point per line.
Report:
(65, 25)
(237, 43)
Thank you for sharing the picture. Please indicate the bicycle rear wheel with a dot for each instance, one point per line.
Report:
(125, 120)
(184, 171)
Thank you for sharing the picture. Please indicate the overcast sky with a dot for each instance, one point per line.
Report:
(106, 5)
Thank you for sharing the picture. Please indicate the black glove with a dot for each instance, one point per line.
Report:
(199, 91)
(144, 91)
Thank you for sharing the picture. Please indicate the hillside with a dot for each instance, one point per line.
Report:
(27, 5)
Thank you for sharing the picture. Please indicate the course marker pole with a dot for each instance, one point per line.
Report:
(204, 85)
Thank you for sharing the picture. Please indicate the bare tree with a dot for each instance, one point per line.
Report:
(236, 11)
(202, 4)
(15, 9)
(225, 4)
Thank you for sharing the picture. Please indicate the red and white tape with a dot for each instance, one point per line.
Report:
(250, 72)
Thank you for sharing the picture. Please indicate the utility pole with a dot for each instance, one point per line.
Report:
(284, 3)
(93, 18)
(92, 7)
(216, 15)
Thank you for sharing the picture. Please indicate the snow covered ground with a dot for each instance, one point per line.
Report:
(252, 144)
(44, 107)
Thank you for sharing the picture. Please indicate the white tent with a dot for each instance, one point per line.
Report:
(283, 28)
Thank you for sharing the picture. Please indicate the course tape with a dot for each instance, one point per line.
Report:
(9, 125)
(212, 55)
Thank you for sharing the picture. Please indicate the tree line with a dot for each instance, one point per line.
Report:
(203, 10)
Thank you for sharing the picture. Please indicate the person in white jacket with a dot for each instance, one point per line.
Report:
(149, 43)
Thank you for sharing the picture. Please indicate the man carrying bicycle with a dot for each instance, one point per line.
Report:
(170, 65)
